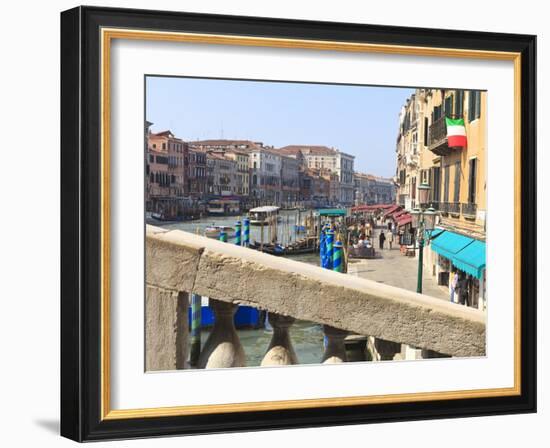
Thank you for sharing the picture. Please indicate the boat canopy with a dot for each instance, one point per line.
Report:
(265, 209)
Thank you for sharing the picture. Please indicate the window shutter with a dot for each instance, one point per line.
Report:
(470, 105)
(459, 103)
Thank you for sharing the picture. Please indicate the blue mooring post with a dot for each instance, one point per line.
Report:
(196, 316)
(223, 236)
(322, 249)
(330, 248)
(238, 233)
(246, 232)
(337, 257)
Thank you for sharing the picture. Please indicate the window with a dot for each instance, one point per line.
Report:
(474, 105)
(164, 146)
(472, 181)
(456, 197)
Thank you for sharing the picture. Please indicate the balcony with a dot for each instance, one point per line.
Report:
(450, 208)
(469, 210)
(437, 140)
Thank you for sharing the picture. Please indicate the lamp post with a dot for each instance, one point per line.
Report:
(422, 220)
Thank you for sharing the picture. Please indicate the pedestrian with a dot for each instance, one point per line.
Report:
(390, 239)
(381, 239)
(463, 290)
(453, 284)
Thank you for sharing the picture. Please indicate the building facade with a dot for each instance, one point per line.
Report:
(198, 175)
(290, 180)
(455, 175)
(222, 175)
(331, 159)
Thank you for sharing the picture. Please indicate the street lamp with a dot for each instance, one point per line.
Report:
(424, 221)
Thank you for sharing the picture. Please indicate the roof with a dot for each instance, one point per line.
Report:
(392, 209)
(471, 259)
(308, 149)
(264, 209)
(223, 142)
(404, 219)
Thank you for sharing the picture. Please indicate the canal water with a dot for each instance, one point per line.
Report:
(307, 337)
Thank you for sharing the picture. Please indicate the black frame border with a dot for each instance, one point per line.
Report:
(81, 223)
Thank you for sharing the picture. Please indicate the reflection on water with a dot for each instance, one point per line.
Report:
(307, 337)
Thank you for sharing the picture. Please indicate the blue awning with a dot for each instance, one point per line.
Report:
(448, 244)
(471, 259)
(431, 234)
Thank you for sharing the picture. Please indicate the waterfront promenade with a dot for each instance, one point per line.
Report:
(392, 268)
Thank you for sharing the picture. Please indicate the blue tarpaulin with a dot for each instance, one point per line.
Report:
(471, 259)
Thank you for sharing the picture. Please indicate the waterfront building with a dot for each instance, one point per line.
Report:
(222, 175)
(168, 162)
(455, 171)
(323, 157)
(290, 180)
(198, 176)
(371, 190)
(265, 176)
(410, 144)
(242, 174)
(314, 188)
(177, 152)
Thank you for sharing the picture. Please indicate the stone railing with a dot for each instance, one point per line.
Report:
(180, 263)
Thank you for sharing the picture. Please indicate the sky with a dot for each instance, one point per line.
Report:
(358, 120)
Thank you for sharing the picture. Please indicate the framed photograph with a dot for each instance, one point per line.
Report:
(274, 223)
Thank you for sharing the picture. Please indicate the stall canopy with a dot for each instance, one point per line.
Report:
(332, 212)
(448, 244)
(404, 219)
(392, 209)
(471, 259)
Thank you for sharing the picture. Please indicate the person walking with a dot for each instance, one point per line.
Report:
(381, 240)
(453, 284)
(390, 239)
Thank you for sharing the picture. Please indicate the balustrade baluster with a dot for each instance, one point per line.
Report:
(335, 349)
(223, 347)
(280, 351)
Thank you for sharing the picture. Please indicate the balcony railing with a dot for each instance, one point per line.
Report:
(469, 210)
(179, 264)
(437, 140)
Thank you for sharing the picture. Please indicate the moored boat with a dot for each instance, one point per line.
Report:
(214, 231)
(263, 215)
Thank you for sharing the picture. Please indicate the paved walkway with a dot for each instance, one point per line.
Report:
(393, 268)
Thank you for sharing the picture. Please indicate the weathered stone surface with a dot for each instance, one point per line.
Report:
(280, 351)
(223, 347)
(166, 329)
(335, 350)
(240, 275)
(166, 265)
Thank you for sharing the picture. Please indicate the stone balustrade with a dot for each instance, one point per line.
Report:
(179, 263)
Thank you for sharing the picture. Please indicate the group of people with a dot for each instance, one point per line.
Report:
(362, 236)
(458, 288)
(382, 239)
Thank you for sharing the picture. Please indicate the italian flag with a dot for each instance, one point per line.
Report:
(456, 132)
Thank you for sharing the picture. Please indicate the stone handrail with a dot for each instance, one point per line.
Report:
(184, 262)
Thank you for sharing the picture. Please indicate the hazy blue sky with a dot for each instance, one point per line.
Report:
(358, 120)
